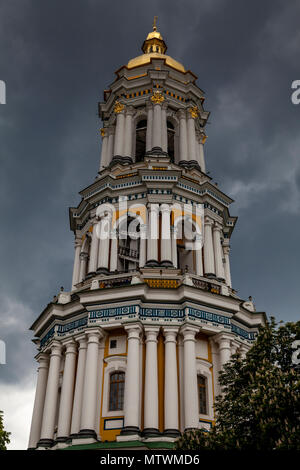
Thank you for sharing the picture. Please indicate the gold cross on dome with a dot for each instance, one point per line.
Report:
(154, 23)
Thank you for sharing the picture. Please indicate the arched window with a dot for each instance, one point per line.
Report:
(116, 391)
(140, 147)
(201, 382)
(171, 134)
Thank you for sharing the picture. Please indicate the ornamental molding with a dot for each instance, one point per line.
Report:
(194, 112)
(118, 107)
(157, 97)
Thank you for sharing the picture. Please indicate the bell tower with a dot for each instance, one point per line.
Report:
(133, 351)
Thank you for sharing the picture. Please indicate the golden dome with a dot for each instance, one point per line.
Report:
(154, 47)
(146, 59)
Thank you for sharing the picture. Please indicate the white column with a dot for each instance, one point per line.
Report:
(165, 241)
(89, 401)
(201, 152)
(243, 351)
(174, 246)
(119, 135)
(76, 268)
(191, 407)
(110, 144)
(99, 386)
(181, 381)
(224, 342)
(164, 131)
(37, 415)
(151, 382)
(104, 161)
(79, 384)
(234, 347)
(152, 249)
(216, 364)
(66, 399)
(132, 381)
(198, 254)
(104, 234)
(143, 238)
(50, 406)
(157, 121)
(183, 145)
(128, 132)
(114, 253)
(191, 138)
(94, 249)
(226, 250)
(149, 126)
(83, 263)
(218, 251)
(171, 383)
(209, 263)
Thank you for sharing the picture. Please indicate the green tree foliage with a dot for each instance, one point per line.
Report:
(259, 408)
(4, 435)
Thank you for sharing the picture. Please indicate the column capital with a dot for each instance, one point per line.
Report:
(223, 340)
(151, 333)
(165, 208)
(129, 110)
(94, 335)
(43, 360)
(119, 107)
(181, 113)
(189, 332)
(217, 227)
(165, 105)
(208, 221)
(111, 130)
(70, 346)
(170, 334)
(133, 330)
(149, 105)
(55, 348)
(81, 339)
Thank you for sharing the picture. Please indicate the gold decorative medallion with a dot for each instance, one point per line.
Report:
(157, 97)
(102, 131)
(194, 112)
(118, 107)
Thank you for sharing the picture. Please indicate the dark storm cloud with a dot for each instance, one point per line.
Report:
(57, 57)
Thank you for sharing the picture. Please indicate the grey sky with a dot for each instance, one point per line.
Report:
(56, 58)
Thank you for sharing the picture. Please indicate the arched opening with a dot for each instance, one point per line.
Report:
(202, 394)
(171, 135)
(140, 146)
(116, 391)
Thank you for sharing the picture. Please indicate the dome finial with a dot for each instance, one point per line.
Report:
(154, 42)
(154, 23)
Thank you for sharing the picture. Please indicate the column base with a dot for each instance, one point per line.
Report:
(87, 434)
(220, 279)
(151, 432)
(152, 263)
(102, 271)
(61, 439)
(45, 443)
(121, 159)
(210, 275)
(130, 430)
(172, 433)
(166, 264)
(189, 164)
